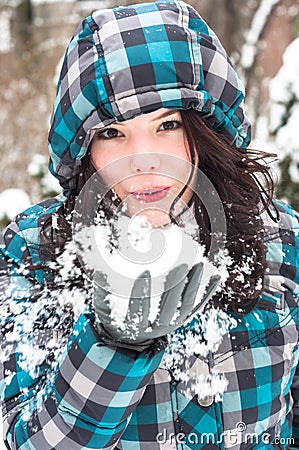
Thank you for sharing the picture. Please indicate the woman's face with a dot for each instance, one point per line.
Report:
(146, 161)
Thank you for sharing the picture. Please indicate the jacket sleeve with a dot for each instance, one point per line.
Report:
(294, 267)
(295, 395)
(285, 254)
(85, 398)
(94, 392)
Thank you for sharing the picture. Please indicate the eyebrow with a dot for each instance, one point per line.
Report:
(166, 114)
(162, 116)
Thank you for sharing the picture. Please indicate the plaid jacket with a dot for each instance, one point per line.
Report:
(104, 398)
(96, 397)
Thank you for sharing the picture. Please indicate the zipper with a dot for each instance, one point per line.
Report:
(217, 408)
(178, 427)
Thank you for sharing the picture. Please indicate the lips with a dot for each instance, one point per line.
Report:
(151, 194)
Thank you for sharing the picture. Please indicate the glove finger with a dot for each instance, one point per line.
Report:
(190, 291)
(171, 297)
(139, 304)
(100, 281)
(100, 301)
(210, 291)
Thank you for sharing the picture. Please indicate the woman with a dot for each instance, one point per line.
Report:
(141, 88)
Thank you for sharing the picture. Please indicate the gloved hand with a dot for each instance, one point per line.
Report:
(177, 304)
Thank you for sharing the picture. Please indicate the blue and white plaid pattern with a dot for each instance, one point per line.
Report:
(121, 63)
(131, 60)
(105, 398)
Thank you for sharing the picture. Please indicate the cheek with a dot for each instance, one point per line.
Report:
(99, 157)
(184, 152)
(180, 148)
(102, 160)
(178, 168)
(110, 166)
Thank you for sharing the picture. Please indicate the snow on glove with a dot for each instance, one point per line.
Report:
(176, 305)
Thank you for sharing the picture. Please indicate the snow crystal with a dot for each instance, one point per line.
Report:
(35, 168)
(38, 168)
(30, 358)
(37, 2)
(5, 36)
(140, 248)
(12, 201)
(284, 107)
(199, 339)
(93, 5)
(250, 47)
(57, 71)
(258, 318)
(40, 329)
(284, 87)
(137, 247)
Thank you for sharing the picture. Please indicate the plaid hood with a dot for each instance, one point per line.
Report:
(126, 61)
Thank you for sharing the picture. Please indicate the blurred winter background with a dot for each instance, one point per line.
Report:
(261, 36)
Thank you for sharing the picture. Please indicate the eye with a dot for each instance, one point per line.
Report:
(108, 133)
(169, 125)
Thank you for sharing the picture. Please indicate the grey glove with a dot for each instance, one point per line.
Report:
(176, 305)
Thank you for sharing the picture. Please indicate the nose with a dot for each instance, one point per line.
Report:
(145, 162)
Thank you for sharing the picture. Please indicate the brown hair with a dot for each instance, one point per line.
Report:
(233, 173)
